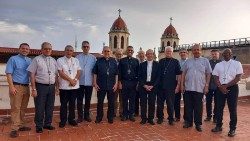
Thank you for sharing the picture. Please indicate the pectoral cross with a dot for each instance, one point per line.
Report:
(129, 71)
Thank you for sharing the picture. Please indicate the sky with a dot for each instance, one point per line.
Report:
(61, 21)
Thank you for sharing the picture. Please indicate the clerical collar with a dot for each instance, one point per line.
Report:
(150, 61)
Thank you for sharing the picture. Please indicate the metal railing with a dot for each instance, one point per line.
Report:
(213, 44)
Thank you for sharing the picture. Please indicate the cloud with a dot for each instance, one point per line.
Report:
(6, 27)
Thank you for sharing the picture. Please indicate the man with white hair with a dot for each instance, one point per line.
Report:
(195, 82)
(118, 56)
(141, 59)
(168, 86)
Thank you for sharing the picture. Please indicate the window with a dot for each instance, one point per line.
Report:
(174, 44)
(162, 44)
(115, 42)
(122, 42)
(168, 43)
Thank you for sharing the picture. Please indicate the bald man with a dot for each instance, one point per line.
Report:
(227, 74)
(195, 82)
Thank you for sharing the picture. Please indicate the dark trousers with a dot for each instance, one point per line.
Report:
(209, 100)
(194, 107)
(137, 103)
(111, 103)
(185, 107)
(44, 104)
(84, 91)
(232, 98)
(177, 105)
(67, 99)
(147, 102)
(128, 98)
(168, 96)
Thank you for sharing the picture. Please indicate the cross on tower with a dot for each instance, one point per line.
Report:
(171, 19)
(119, 10)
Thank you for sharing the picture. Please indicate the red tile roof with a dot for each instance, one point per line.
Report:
(34, 52)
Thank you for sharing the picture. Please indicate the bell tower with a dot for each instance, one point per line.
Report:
(119, 35)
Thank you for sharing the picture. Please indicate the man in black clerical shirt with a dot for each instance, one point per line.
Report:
(169, 85)
(148, 82)
(128, 79)
(105, 82)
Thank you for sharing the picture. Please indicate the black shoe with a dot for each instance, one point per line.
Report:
(136, 114)
(207, 119)
(24, 129)
(114, 115)
(79, 120)
(123, 118)
(13, 134)
(231, 133)
(143, 121)
(98, 121)
(132, 119)
(171, 122)
(39, 130)
(120, 115)
(159, 121)
(73, 123)
(198, 128)
(49, 127)
(216, 129)
(61, 125)
(151, 121)
(88, 119)
(110, 121)
(187, 125)
(177, 119)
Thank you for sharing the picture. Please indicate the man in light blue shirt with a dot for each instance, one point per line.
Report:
(87, 63)
(18, 80)
(195, 81)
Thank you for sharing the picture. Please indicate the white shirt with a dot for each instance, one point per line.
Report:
(69, 66)
(149, 70)
(227, 70)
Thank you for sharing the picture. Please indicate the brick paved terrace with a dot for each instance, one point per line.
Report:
(129, 131)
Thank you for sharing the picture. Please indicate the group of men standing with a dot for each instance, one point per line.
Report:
(128, 79)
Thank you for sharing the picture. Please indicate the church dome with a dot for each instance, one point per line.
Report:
(119, 25)
(170, 32)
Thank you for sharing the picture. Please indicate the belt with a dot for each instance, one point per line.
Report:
(45, 84)
(16, 83)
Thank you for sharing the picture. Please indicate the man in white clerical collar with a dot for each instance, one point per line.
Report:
(227, 74)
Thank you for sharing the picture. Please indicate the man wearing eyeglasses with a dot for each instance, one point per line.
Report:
(69, 72)
(105, 82)
(87, 62)
(177, 103)
(128, 77)
(43, 76)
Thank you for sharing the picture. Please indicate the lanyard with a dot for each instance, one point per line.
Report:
(69, 64)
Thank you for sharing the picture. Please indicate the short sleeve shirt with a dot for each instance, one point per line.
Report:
(227, 70)
(44, 68)
(17, 67)
(196, 70)
(69, 66)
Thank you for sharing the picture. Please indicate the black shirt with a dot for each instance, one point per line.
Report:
(128, 69)
(212, 84)
(169, 68)
(106, 70)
